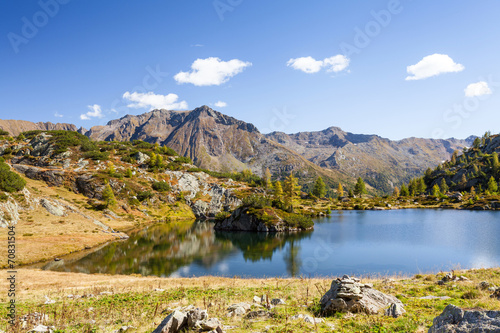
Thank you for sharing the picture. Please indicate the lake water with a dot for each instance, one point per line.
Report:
(348, 242)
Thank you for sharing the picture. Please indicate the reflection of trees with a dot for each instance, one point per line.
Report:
(258, 246)
(292, 259)
(158, 250)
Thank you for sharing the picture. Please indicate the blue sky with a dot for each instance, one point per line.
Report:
(281, 65)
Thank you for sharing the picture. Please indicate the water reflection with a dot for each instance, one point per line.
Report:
(350, 242)
(165, 249)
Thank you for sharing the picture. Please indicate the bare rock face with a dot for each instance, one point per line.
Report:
(349, 295)
(453, 319)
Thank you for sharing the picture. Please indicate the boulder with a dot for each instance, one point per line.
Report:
(496, 294)
(141, 157)
(453, 319)
(53, 208)
(395, 310)
(173, 323)
(347, 294)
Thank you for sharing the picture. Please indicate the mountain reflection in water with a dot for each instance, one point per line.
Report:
(163, 249)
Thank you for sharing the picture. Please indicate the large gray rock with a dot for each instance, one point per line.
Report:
(173, 323)
(349, 295)
(455, 320)
(52, 207)
(141, 157)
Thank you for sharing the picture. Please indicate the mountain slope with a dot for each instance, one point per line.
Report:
(381, 162)
(214, 141)
(473, 167)
(15, 127)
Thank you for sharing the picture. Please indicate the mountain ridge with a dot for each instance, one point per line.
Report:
(223, 143)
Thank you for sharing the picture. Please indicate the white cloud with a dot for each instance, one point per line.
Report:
(58, 115)
(154, 101)
(220, 104)
(336, 63)
(211, 71)
(478, 89)
(310, 65)
(433, 65)
(95, 112)
(306, 64)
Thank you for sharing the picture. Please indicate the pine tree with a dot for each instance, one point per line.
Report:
(129, 173)
(395, 193)
(463, 180)
(443, 187)
(108, 196)
(476, 143)
(404, 191)
(350, 194)
(278, 191)
(290, 190)
(319, 189)
(472, 191)
(454, 158)
(267, 179)
(421, 187)
(152, 161)
(360, 187)
(435, 191)
(111, 169)
(495, 164)
(340, 190)
(412, 187)
(492, 185)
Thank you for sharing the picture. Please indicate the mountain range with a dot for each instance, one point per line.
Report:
(222, 143)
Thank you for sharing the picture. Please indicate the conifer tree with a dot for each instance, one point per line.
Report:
(108, 196)
(404, 191)
(435, 191)
(395, 192)
(290, 190)
(319, 189)
(492, 185)
(360, 187)
(340, 190)
(443, 187)
(278, 191)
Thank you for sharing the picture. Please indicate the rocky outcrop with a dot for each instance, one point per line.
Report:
(188, 318)
(242, 220)
(453, 319)
(204, 197)
(347, 294)
(53, 208)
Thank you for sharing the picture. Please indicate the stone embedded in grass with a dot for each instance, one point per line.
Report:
(277, 301)
(454, 319)
(193, 318)
(349, 295)
(239, 309)
(395, 310)
(496, 294)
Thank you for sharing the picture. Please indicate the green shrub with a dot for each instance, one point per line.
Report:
(97, 155)
(183, 159)
(161, 186)
(141, 196)
(10, 181)
(222, 216)
(4, 132)
(298, 221)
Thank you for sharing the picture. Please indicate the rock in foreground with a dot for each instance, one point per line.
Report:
(349, 295)
(453, 319)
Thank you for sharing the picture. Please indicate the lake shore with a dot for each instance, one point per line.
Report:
(104, 303)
